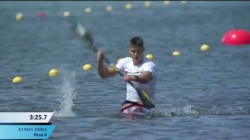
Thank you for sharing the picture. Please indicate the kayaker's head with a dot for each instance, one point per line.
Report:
(136, 49)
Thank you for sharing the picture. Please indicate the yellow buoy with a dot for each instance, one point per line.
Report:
(53, 73)
(88, 9)
(147, 4)
(19, 16)
(66, 14)
(184, 2)
(166, 3)
(17, 79)
(204, 47)
(109, 8)
(87, 67)
(176, 53)
(119, 60)
(128, 6)
(150, 56)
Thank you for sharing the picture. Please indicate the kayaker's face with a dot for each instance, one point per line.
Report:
(136, 54)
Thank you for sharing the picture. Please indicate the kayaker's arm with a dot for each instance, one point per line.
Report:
(104, 71)
(144, 78)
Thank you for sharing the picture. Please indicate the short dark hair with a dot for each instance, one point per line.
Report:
(136, 42)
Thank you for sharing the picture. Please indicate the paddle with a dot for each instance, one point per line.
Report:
(87, 38)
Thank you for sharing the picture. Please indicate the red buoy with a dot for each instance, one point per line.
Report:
(236, 37)
(41, 14)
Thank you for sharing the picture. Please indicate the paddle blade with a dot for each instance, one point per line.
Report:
(83, 33)
(146, 100)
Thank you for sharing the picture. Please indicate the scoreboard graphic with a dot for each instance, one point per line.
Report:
(26, 125)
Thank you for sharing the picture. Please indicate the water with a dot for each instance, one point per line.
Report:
(200, 95)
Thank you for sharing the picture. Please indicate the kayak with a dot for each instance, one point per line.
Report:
(135, 115)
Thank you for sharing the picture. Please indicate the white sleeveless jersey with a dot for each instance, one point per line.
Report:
(126, 65)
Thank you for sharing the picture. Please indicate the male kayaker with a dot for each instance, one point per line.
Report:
(137, 69)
